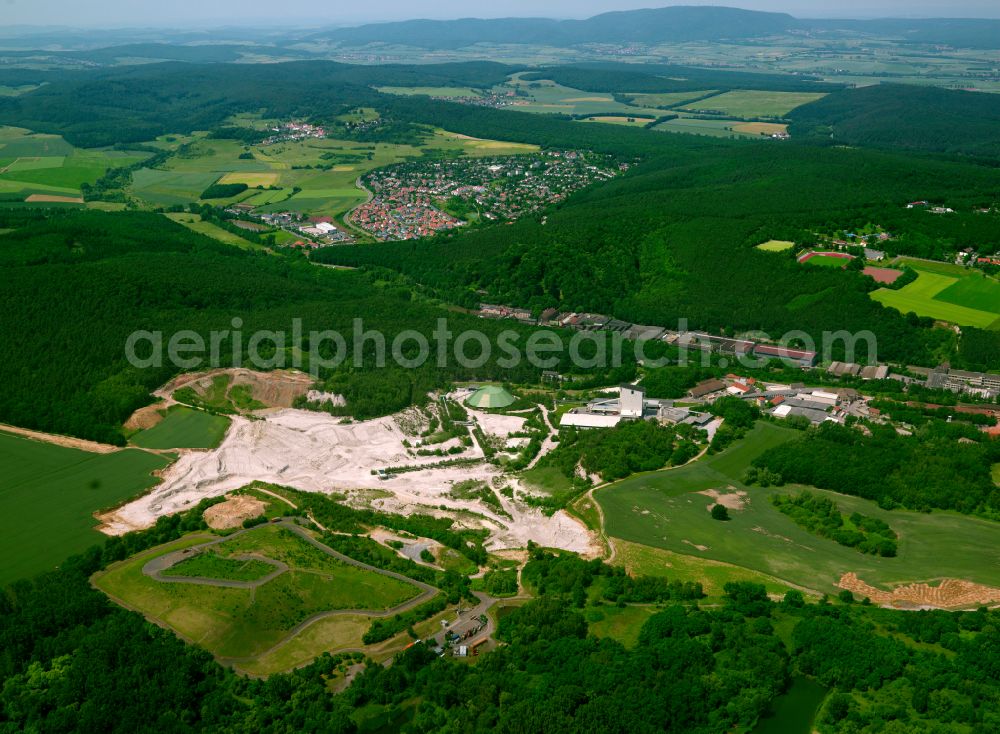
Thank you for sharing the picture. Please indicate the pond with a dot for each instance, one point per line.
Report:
(793, 712)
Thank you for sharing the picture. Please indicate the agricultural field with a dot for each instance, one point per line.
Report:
(776, 246)
(248, 620)
(547, 97)
(50, 493)
(195, 223)
(623, 120)
(666, 100)
(315, 176)
(46, 165)
(750, 103)
(184, 428)
(253, 180)
(168, 187)
(948, 293)
(669, 510)
(716, 128)
(761, 128)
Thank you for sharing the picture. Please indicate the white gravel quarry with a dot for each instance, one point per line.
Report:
(316, 452)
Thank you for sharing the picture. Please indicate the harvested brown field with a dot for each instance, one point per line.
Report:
(760, 128)
(948, 594)
(882, 275)
(54, 199)
(232, 512)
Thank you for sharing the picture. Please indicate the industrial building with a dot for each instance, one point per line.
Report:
(631, 404)
(974, 383)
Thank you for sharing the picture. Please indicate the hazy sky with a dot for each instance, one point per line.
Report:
(184, 13)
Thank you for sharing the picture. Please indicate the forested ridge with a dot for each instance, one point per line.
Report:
(74, 288)
(932, 469)
(674, 239)
(71, 660)
(936, 120)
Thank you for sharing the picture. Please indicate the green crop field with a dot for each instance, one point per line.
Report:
(545, 96)
(184, 428)
(21, 143)
(170, 187)
(750, 103)
(240, 622)
(47, 164)
(631, 121)
(32, 163)
(715, 128)
(49, 494)
(974, 291)
(195, 224)
(951, 293)
(666, 510)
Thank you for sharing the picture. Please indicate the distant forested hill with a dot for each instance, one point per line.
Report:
(958, 32)
(905, 117)
(138, 103)
(633, 26)
(660, 25)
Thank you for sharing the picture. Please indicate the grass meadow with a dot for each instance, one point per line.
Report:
(665, 510)
(234, 622)
(752, 103)
(184, 428)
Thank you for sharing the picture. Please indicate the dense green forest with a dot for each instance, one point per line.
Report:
(138, 103)
(936, 120)
(73, 661)
(680, 243)
(821, 516)
(74, 288)
(931, 469)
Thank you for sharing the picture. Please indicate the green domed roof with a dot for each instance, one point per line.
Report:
(490, 396)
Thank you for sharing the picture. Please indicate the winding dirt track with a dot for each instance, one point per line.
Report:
(67, 441)
(155, 567)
